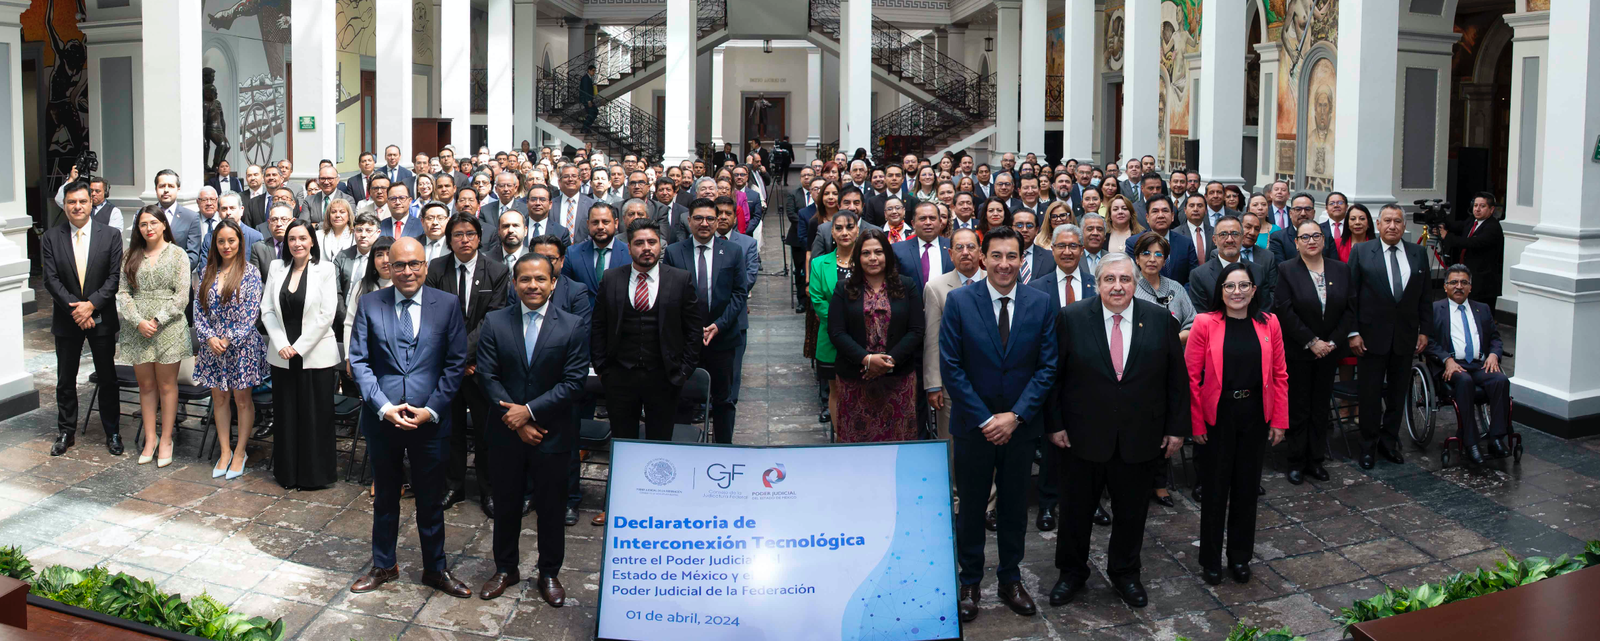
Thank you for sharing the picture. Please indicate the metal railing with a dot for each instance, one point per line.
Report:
(911, 59)
(917, 127)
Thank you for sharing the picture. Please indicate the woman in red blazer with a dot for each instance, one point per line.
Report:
(1238, 388)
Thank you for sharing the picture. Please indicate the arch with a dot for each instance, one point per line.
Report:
(983, 66)
(546, 66)
(1320, 51)
(1494, 43)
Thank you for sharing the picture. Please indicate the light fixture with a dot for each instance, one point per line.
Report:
(766, 46)
(988, 45)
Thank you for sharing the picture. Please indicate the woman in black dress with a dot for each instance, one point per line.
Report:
(300, 302)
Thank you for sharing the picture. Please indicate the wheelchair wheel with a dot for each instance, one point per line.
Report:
(1516, 453)
(1421, 410)
(1445, 457)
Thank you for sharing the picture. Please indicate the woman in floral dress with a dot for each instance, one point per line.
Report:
(155, 335)
(232, 358)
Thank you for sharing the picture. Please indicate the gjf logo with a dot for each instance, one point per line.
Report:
(723, 475)
(774, 475)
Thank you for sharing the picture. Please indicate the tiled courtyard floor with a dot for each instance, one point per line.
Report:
(277, 553)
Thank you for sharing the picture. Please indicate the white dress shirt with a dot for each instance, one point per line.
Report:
(994, 299)
(652, 281)
(1401, 261)
(472, 267)
(538, 325)
(935, 257)
(1061, 285)
(1463, 336)
(435, 248)
(1126, 328)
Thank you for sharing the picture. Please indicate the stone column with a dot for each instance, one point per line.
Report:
(1557, 385)
(682, 44)
(393, 103)
(1369, 39)
(1008, 73)
(717, 109)
(1031, 111)
(1141, 78)
(1221, 99)
(312, 33)
(455, 71)
(499, 75)
(941, 47)
(1078, 81)
(1267, 136)
(17, 394)
(855, 125)
(576, 41)
(956, 43)
(813, 139)
(171, 74)
(1530, 50)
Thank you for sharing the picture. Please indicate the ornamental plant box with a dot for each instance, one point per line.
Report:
(1559, 608)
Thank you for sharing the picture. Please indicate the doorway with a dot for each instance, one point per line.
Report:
(763, 117)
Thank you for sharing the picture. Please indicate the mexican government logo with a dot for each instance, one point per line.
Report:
(660, 471)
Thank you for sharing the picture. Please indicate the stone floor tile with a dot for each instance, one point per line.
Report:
(176, 493)
(295, 615)
(1316, 570)
(236, 504)
(1449, 542)
(1384, 555)
(1298, 613)
(307, 584)
(341, 624)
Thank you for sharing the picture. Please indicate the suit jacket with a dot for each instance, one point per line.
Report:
(823, 243)
(263, 255)
(677, 224)
(1484, 329)
(401, 175)
(1042, 261)
(1201, 252)
(678, 320)
(413, 227)
(1203, 280)
(873, 212)
(490, 282)
(250, 238)
(311, 205)
(752, 267)
(1384, 323)
(1204, 358)
(1483, 251)
(757, 203)
(255, 209)
(908, 253)
(549, 226)
(1282, 242)
(356, 186)
(981, 378)
(933, 299)
(1102, 414)
(233, 181)
(549, 385)
(1048, 284)
(569, 296)
(1302, 315)
(186, 231)
(730, 287)
(489, 215)
(101, 277)
(579, 265)
(580, 218)
(847, 328)
(1181, 259)
(318, 345)
(429, 378)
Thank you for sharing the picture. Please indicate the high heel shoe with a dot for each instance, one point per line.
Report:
(222, 466)
(146, 458)
(163, 461)
(231, 475)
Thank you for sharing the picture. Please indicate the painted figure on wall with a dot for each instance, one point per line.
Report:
(261, 110)
(67, 108)
(273, 17)
(1320, 92)
(1114, 36)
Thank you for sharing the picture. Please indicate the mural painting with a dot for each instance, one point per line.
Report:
(1114, 20)
(66, 83)
(1320, 95)
(245, 42)
(1307, 32)
(355, 39)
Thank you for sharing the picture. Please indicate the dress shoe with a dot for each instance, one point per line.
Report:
(824, 418)
(443, 582)
(262, 432)
(1497, 448)
(487, 503)
(1066, 590)
(1212, 576)
(63, 441)
(1366, 460)
(967, 602)
(602, 413)
(799, 309)
(1240, 572)
(1101, 516)
(1475, 454)
(1016, 597)
(991, 522)
(1261, 490)
(527, 506)
(233, 473)
(114, 445)
(1131, 593)
(599, 520)
(1196, 493)
(1392, 454)
(572, 517)
(1295, 477)
(374, 578)
(550, 588)
(452, 497)
(222, 466)
(1316, 471)
(497, 584)
(1162, 500)
(1046, 521)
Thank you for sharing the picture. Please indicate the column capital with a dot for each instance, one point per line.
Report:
(813, 51)
(11, 12)
(956, 29)
(572, 22)
(1531, 24)
(1008, 5)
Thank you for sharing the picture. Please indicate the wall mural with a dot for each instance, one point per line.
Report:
(66, 83)
(1180, 36)
(251, 37)
(355, 38)
(1307, 32)
(1114, 11)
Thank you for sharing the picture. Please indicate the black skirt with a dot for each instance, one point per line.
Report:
(304, 451)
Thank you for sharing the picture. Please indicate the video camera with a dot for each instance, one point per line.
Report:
(88, 163)
(1431, 213)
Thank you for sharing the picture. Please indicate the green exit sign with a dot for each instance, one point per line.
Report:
(308, 123)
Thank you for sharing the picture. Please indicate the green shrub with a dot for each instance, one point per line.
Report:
(1242, 632)
(14, 564)
(1506, 574)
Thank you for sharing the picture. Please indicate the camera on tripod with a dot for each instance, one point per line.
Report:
(1431, 213)
(88, 163)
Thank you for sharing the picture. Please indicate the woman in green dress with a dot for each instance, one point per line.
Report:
(827, 271)
(155, 335)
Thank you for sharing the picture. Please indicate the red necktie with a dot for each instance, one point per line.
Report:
(1116, 344)
(399, 228)
(1067, 295)
(641, 293)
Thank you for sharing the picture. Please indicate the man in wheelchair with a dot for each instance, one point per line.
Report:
(1465, 341)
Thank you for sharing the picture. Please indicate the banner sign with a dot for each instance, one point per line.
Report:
(814, 543)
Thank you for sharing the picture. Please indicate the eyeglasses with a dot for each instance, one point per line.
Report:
(1302, 209)
(1238, 287)
(963, 247)
(1309, 238)
(1152, 254)
(1228, 234)
(412, 266)
(1066, 246)
(1457, 282)
(1025, 225)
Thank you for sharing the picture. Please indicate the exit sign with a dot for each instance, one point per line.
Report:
(308, 123)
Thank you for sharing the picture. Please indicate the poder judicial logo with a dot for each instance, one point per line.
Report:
(774, 474)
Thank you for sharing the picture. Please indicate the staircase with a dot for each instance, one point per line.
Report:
(623, 61)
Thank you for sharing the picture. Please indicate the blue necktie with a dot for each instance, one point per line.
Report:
(408, 338)
(530, 336)
(1468, 355)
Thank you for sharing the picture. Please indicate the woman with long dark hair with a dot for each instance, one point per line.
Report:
(298, 308)
(875, 325)
(1238, 403)
(827, 271)
(1357, 229)
(994, 213)
(155, 335)
(232, 358)
(926, 185)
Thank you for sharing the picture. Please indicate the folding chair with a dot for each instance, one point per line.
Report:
(189, 398)
(595, 435)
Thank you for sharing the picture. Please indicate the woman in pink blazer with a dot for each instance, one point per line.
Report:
(1238, 389)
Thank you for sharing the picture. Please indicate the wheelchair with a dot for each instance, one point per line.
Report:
(1454, 448)
(1421, 414)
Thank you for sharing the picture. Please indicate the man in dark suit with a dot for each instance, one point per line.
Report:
(82, 262)
(1216, 204)
(926, 256)
(569, 207)
(392, 169)
(1228, 237)
(1036, 260)
(1150, 186)
(1067, 281)
(1181, 259)
(569, 296)
(1197, 226)
(481, 285)
(408, 352)
(603, 250)
(356, 186)
(998, 363)
(1466, 340)
(703, 188)
(539, 220)
(533, 360)
(1389, 290)
(721, 288)
(1122, 401)
(1282, 242)
(400, 224)
(505, 189)
(587, 94)
(1480, 244)
(183, 221)
(225, 182)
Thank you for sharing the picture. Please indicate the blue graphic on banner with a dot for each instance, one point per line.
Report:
(905, 596)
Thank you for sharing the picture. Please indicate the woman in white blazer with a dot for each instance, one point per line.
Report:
(298, 306)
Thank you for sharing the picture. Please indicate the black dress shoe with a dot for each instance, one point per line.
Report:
(1475, 454)
(375, 578)
(487, 503)
(1316, 471)
(1392, 454)
(602, 413)
(262, 432)
(1016, 597)
(1295, 477)
(63, 441)
(1066, 590)
(1240, 572)
(1366, 460)
(1101, 516)
(1162, 500)
(452, 497)
(1497, 448)
(1046, 521)
(967, 602)
(1131, 593)
(824, 417)
(799, 309)
(572, 517)
(1196, 493)
(1212, 577)
(497, 584)
(114, 444)
(443, 582)
(1261, 490)
(991, 522)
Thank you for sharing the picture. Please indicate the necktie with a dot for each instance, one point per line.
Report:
(80, 253)
(1068, 296)
(1338, 230)
(1116, 344)
(599, 262)
(1468, 354)
(538, 228)
(1199, 241)
(571, 206)
(461, 286)
(703, 277)
(1005, 321)
(209, 223)
(399, 228)
(408, 332)
(1027, 270)
(1245, 254)
(1394, 272)
(530, 337)
(641, 293)
(925, 247)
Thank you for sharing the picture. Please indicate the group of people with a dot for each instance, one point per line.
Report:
(1103, 319)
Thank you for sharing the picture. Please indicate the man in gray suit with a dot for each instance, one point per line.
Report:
(569, 207)
(1229, 237)
(314, 206)
(1130, 182)
(505, 188)
(185, 222)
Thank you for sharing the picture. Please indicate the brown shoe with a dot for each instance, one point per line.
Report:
(967, 602)
(443, 582)
(497, 584)
(550, 588)
(1016, 597)
(374, 578)
(599, 520)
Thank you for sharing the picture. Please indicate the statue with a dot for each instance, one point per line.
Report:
(758, 115)
(216, 128)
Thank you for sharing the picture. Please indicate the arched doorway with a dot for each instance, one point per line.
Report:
(1480, 105)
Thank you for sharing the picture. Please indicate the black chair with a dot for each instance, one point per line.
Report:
(347, 433)
(1455, 446)
(595, 436)
(191, 399)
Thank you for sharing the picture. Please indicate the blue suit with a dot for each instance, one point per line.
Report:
(251, 237)
(908, 253)
(1180, 260)
(413, 227)
(725, 308)
(580, 263)
(1046, 283)
(426, 375)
